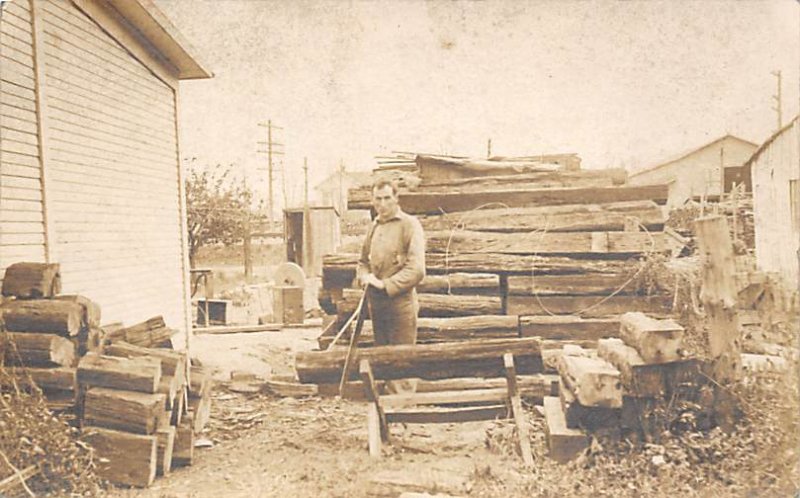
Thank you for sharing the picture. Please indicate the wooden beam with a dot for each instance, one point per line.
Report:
(127, 411)
(561, 327)
(123, 458)
(434, 305)
(563, 443)
(461, 283)
(428, 361)
(373, 397)
(433, 415)
(593, 382)
(572, 285)
(587, 306)
(516, 410)
(37, 350)
(397, 401)
(49, 316)
(138, 374)
(718, 295)
(657, 341)
(639, 379)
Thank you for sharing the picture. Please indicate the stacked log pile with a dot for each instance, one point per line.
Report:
(137, 401)
(518, 247)
(616, 385)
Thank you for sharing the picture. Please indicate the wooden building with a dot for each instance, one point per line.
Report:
(90, 175)
(308, 240)
(775, 169)
(699, 172)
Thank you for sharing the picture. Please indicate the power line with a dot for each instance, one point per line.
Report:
(271, 151)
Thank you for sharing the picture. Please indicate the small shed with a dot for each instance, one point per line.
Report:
(90, 175)
(699, 172)
(307, 241)
(775, 169)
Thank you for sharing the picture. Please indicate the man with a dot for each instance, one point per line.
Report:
(392, 263)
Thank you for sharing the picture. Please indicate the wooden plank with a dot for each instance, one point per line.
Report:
(638, 378)
(183, 451)
(657, 341)
(430, 361)
(397, 401)
(435, 305)
(572, 285)
(238, 329)
(123, 458)
(37, 350)
(166, 445)
(718, 295)
(561, 327)
(448, 415)
(425, 203)
(173, 363)
(593, 382)
(563, 443)
(516, 410)
(128, 411)
(376, 415)
(568, 218)
(137, 374)
(587, 306)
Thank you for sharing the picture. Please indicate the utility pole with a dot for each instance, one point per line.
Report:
(778, 109)
(489, 149)
(306, 251)
(342, 200)
(271, 151)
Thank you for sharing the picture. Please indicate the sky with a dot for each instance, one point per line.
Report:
(624, 83)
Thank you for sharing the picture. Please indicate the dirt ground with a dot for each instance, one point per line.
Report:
(266, 446)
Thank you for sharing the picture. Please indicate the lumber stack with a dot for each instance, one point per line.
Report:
(151, 333)
(614, 385)
(519, 237)
(131, 404)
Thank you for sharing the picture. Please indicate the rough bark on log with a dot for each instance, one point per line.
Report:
(638, 378)
(123, 458)
(166, 445)
(135, 374)
(61, 378)
(571, 218)
(128, 411)
(32, 280)
(461, 283)
(620, 244)
(433, 330)
(568, 327)
(587, 306)
(37, 350)
(435, 203)
(572, 285)
(657, 341)
(91, 310)
(430, 361)
(339, 270)
(434, 305)
(593, 382)
(43, 315)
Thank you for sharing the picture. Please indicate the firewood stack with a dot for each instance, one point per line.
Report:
(45, 334)
(128, 390)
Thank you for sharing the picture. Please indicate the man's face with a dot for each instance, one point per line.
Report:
(384, 201)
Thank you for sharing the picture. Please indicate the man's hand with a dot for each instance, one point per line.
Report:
(370, 279)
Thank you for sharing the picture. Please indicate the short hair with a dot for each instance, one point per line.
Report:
(379, 184)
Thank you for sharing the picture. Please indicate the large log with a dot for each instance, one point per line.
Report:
(482, 358)
(572, 285)
(32, 280)
(587, 306)
(91, 310)
(183, 451)
(339, 270)
(128, 411)
(434, 305)
(461, 283)
(433, 330)
(123, 458)
(568, 218)
(133, 374)
(449, 202)
(37, 350)
(43, 315)
(622, 244)
(172, 362)
(657, 341)
(166, 445)
(568, 327)
(47, 379)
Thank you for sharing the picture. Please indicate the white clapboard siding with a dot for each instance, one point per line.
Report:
(21, 210)
(113, 172)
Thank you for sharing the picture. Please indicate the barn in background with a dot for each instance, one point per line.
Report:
(90, 175)
(775, 169)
